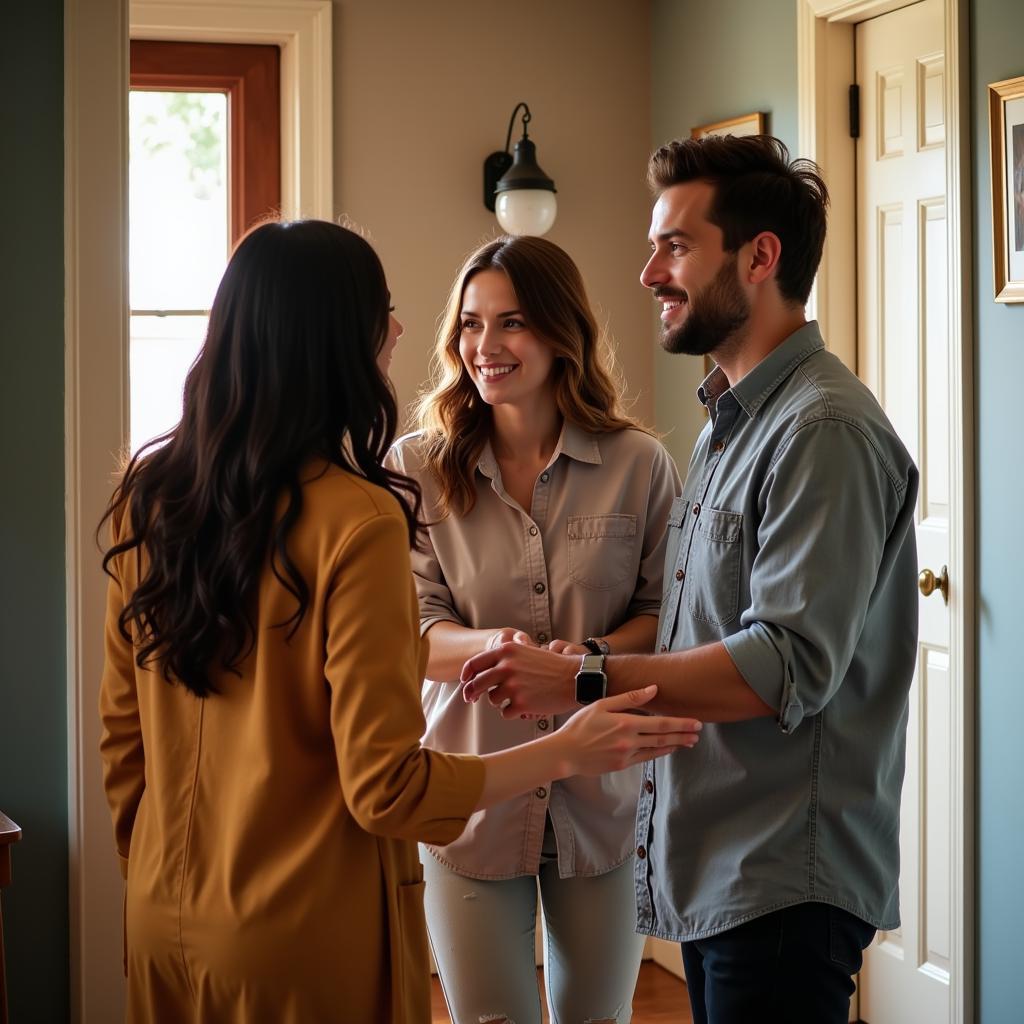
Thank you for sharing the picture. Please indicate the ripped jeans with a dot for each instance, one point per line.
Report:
(482, 937)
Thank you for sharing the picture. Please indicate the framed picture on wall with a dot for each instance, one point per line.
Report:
(745, 124)
(1006, 151)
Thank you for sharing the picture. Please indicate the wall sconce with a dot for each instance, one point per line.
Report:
(516, 189)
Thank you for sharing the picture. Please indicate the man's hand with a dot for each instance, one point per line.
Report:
(521, 680)
(567, 647)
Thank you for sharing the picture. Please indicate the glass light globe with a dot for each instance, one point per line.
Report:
(526, 211)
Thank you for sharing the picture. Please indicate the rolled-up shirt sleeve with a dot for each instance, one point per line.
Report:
(436, 601)
(833, 514)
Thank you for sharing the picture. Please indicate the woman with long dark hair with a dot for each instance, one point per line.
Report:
(548, 509)
(260, 698)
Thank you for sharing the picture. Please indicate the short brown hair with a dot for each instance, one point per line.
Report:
(757, 188)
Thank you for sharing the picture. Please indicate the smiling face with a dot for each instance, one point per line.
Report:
(693, 278)
(506, 361)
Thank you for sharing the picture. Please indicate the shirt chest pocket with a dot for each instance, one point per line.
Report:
(713, 570)
(601, 550)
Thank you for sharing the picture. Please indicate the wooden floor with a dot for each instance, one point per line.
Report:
(660, 998)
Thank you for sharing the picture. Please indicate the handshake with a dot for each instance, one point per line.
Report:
(521, 679)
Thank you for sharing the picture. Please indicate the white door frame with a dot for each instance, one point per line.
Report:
(825, 69)
(96, 77)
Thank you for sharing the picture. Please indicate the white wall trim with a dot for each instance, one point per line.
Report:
(96, 65)
(96, 417)
(825, 43)
(302, 28)
(824, 73)
(852, 11)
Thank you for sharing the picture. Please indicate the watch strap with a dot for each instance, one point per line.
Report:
(591, 681)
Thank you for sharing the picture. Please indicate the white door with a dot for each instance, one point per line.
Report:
(903, 356)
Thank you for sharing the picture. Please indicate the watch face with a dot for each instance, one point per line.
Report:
(590, 686)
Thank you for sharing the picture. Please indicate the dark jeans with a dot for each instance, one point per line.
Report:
(790, 967)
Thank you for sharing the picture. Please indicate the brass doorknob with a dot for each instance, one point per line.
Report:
(928, 583)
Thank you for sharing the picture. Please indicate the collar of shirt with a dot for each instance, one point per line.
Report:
(758, 385)
(573, 442)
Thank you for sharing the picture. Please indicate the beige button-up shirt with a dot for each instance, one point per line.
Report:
(584, 558)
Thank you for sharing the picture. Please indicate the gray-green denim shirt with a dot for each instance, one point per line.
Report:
(793, 543)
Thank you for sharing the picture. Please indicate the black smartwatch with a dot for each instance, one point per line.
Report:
(591, 681)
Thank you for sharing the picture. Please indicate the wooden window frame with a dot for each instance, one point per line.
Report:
(251, 76)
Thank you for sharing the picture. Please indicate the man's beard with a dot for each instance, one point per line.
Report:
(714, 314)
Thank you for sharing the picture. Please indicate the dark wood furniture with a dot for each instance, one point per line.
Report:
(9, 834)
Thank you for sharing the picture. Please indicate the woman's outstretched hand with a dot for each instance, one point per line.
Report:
(605, 736)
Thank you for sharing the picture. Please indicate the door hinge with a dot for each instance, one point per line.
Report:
(854, 111)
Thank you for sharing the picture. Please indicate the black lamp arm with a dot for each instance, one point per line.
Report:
(501, 160)
(512, 121)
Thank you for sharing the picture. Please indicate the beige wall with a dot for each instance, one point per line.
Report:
(423, 92)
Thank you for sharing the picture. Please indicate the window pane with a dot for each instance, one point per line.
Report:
(162, 350)
(178, 214)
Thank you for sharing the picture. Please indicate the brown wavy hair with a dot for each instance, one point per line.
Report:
(287, 374)
(552, 297)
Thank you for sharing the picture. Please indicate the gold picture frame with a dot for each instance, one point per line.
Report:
(745, 124)
(1006, 155)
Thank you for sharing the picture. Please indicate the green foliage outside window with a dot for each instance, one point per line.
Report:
(192, 123)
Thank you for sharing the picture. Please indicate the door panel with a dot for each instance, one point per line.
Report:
(903, 356)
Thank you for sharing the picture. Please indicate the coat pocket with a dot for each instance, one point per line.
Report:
(601, 550)
(412, 969)
(713, 572)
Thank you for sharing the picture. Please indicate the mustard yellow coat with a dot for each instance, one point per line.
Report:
(267, 833)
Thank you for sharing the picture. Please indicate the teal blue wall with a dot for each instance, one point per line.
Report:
(997, 52)
(711, 60)
(33, 716)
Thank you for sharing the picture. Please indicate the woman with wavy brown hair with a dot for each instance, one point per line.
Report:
(260, 697)
(547, 508)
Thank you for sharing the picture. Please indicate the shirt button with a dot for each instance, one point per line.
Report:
(544, 477)
(649, 786)
(540, 792)
(663, 648)
(696, 509)
(542, 638)
(542, 724)
(641, 852)
(718, 446)
(533, 531)
(539, 587)
(680, 574)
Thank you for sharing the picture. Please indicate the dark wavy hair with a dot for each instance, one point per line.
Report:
(757, 188)
(288, 374)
